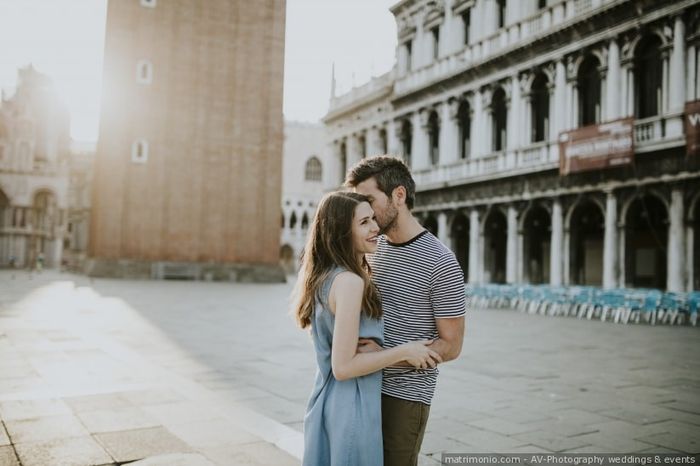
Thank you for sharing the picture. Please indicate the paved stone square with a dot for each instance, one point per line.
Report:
(97, 372)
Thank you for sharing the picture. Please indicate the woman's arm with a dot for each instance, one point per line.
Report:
(345, 300)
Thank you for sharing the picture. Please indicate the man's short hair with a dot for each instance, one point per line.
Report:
(389, 173)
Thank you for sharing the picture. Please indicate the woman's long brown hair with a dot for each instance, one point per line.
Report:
(330, 245)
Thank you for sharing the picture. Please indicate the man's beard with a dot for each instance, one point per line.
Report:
(392, 214)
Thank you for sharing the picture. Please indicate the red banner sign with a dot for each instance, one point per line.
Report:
(597, 146)
(692, 128)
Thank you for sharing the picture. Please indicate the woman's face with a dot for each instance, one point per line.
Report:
(364, 229)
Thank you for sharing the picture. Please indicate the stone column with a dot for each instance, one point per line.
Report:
(512, 246)
(474, 249)
(392, 134)
(560, 106)
(421, 142)
(443, 233)
(676, 79)
(677, 75)
(613, 81)
(610, 242)
(690, 250)
(373, 142)
(478, 135)
(692, 73)
(556, 253)
(353, 150)
(676, 242)
(331, 168)
(449, 133)
(514, 119)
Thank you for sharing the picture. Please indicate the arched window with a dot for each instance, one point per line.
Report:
(383, 141)
(5, 210)
(139, 151)
(465, 126)
(293, 221)
(144, 72)
(343, 162)
(501, 13)
(435, 32)
(362, 143)
(313, 170)
(434, 135)
(304, 221)
(499, 115)
(282, 220)
(589, 83)
(540, 108)
(648, 70)
(406, 140)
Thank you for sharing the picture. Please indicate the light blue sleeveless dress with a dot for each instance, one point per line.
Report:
(343, 422)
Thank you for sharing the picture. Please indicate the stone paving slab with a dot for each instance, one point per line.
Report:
(4, 439)
(130, 445)
(76, 451)
(45, 429)
(8, 457)
(221, 371)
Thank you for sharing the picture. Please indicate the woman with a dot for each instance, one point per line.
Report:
(337, 300)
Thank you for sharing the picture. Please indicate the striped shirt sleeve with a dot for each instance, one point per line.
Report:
(447, 288)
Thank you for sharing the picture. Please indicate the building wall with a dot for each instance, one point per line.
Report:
(481, 200)
(34, 150)
(200, 87)
(302, 187)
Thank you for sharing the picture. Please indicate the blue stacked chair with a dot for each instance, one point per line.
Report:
(673, 308)
(644, 304)
(693, 305)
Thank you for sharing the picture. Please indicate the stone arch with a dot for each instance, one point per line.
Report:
(431, 224)
(646, 239)
(640, 193)
(629, 50)
(459, 232)
(494, 228)
(586, 220)
(536, 226)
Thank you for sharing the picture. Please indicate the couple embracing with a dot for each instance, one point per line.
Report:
(384, 301)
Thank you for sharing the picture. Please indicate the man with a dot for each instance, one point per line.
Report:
(423, 298)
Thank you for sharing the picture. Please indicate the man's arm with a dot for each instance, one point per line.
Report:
(450, 337)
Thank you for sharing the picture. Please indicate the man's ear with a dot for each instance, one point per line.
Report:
(398, 195)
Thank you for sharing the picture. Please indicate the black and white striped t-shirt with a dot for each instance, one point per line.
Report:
(419, 281)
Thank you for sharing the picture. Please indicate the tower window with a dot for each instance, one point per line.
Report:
(436, 41)
(466, 22)
(144, 72)
(139, 151)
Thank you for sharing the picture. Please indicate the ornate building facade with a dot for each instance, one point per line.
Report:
(187, 178)
(34, 173)
(552, 141)
(302, 187)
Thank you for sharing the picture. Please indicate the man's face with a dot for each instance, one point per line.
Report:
(383, 206)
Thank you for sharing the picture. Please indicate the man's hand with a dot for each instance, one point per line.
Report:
(367, 345)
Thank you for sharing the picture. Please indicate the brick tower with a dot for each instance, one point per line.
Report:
(188, 163)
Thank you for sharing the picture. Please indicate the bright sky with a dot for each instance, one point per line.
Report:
(65, 39)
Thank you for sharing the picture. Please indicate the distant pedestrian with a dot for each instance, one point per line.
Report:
(40, 262)
(336, 299)
(423, 297)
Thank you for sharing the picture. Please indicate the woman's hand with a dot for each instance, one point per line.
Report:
(419, 355)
